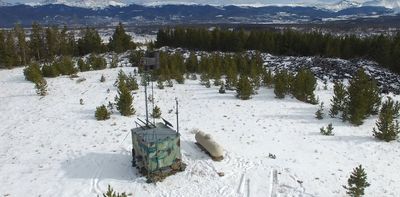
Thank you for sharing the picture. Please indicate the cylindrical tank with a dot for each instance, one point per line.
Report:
(207, 143)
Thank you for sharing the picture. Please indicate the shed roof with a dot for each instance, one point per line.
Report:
(158, 133)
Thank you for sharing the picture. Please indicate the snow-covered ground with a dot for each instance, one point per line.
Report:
(53, 146)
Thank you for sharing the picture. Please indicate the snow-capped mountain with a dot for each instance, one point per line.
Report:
(2, 3)
(341, 5)
(86, 3)
(392, 4)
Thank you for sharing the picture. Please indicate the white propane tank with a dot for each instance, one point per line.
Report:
(208, 144)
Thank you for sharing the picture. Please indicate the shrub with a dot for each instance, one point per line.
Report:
(41, 87)
(32, 73)
(97, 62)
(102, 113)
(83, 66)
(111, 193)
(156, 112)
(328, 131)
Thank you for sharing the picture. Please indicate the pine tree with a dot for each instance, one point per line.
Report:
(111, 193)
(131, 82)
(124, 100)
(22, 45)
(102, 113)
(282, 85)
(387, 126)
(120, 41)
(10, 51)
(102, 78)
(319, 114)
(49, 70)
(357, 182)
(244, 88)
(97, 62)
(160, 84)
(83, 66)
(41, 87)
(338, 102)
(268, 78)
(222, 88)
(304, 85)
(32, 73)
(328, 131)
(170, 84)
(114, 61)
(156, 112)
(364, 98)
(36, 42)
(65, 66)
(90, 42)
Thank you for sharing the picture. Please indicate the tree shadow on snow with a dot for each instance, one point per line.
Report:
(116, 166)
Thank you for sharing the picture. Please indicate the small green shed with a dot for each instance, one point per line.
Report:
(156, 148)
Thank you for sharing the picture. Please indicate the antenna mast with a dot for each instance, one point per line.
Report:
(177, 114)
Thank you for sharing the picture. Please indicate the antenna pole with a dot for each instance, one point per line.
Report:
(177, 114)
(145, 99)
(152, 98)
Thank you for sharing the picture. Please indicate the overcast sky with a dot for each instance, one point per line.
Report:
(214, 2)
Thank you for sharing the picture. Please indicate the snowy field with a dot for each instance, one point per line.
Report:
(53, 146)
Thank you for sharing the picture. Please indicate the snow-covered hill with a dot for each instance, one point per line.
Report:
(53, 146)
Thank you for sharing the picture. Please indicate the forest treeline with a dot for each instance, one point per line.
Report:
(44, 44)
(383, 49)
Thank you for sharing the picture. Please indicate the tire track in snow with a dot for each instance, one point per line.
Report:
(273, 184)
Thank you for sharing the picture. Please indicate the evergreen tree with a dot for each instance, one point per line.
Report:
(90, 42)
(52, 42)
(160, 84)
(387, 126)
(111, 193)
(131, 83)
(65, 66)
(32, 73)
(364, 98)
(357, 182)
(41, 87)
(328, 131)
(36, 42)
(124, 101)
(268, 78)
(244, 89)
(49, 70)
(83, 66)
(170, 84)
(304, 85)
(222, 88)
(114, 61)
(282, 84)
(120, 40)
(231, 75)
(97, 62)
(320, 112)
(10, 52)
(2, 49)
(102, 79)
(156, 112)
(22, 45)
(338, 102)
(102, 113)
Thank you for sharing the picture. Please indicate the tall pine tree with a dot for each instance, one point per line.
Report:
(387, 126)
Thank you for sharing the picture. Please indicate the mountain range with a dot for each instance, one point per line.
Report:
(107, 12)
(335, 6)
